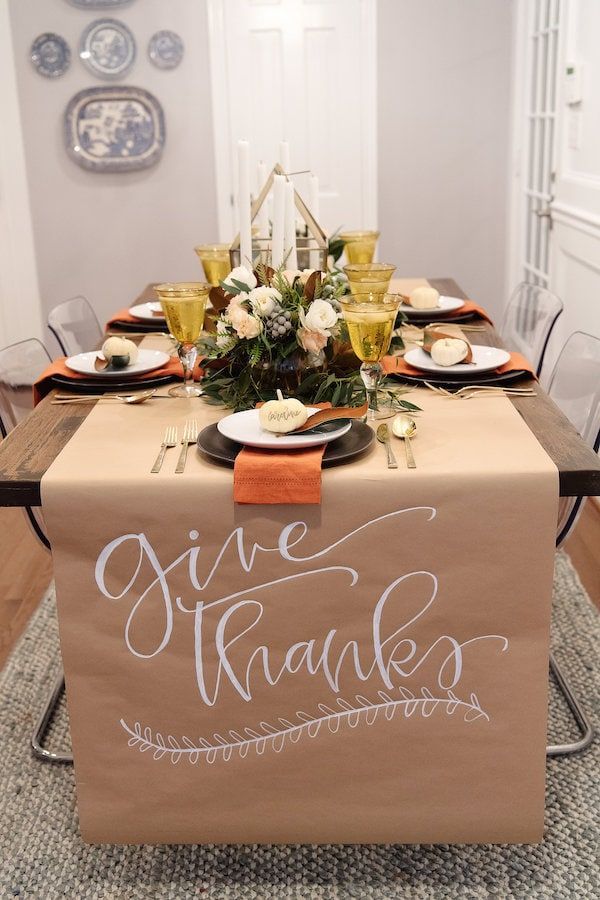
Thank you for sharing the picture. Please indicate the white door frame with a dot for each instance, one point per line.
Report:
(20, 307)
(223, 139)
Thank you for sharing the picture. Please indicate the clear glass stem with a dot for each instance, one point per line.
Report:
(188, 355)
(371, 374)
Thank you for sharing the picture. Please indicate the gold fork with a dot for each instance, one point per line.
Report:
(471, 390)
(170, 440)
(190, 436)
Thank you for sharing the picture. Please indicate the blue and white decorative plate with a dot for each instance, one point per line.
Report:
(107, 48)
(114, 129)
(165, 49)
(99, 4)
(50, 55)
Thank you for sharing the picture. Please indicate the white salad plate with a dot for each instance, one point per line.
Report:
(147, 360)
(484, 360)
(244, 427)
(145, 312)
(446, 305)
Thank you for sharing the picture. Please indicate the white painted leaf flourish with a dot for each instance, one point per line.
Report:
(276, 737)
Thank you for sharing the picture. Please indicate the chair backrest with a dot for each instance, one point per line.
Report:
(75, 326)
(528, 321)
(20, 365)
(575, 387)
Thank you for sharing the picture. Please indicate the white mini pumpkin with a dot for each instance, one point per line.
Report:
(119, 352)
(282, 416)
(449, 351)
(424, 298)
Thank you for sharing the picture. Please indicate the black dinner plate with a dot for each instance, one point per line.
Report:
(358, 439)
(491, 378)
(101, 386)
(140, 325)
(446, 320)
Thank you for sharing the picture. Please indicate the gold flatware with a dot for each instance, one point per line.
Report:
(467, 391)
(190, 436)
(170, 440)
(470, 395)
(383, 435)
(404, 428)
(62, 400)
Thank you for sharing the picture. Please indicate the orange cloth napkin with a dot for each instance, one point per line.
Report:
(273, 476)
(396, 365)
(469, 307)
(44, 383)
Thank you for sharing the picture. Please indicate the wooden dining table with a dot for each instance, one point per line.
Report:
(30, 449)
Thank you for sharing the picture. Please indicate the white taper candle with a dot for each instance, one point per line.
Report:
(263, 213)
(277, 241)
(244, 204)
(290, 254)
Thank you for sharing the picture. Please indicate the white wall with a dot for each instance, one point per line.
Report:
(443, 109)
(106, 235)
(444, 114)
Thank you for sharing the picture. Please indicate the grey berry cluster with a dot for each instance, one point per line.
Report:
(278, 324)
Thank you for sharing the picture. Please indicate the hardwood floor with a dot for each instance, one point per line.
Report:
(25, 573)
(26, 568)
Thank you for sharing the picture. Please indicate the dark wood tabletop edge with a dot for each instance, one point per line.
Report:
(41, 436)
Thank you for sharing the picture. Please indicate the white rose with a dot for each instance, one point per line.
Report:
(320, 316)
(226, 342)
(290, 275)
(305, 275)
(263, 300)
(242, 274)
(249, 327)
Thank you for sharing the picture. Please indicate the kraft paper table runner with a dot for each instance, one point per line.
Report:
(373, 669)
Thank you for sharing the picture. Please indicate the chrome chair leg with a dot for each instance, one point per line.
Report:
(583, 723)
(42, 724)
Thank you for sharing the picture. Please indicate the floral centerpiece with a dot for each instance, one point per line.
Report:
(279, 329)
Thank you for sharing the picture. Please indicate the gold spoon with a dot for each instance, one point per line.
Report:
(124, 398)
(404, 428)
(383, 435)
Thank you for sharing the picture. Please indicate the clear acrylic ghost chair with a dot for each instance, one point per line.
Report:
(529, 318)
(575, 387)
(20, 366)
(75, 326)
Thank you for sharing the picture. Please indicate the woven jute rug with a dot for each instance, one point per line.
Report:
(42, 856)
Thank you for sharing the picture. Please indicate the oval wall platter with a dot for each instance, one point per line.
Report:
(114, 129)
(107, 48)
(50, 54)
(99, 4)
(165, 49)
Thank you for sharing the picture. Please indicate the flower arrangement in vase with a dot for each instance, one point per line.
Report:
(279, 330)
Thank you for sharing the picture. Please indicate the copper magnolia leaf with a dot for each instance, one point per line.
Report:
(218, 298)
(311, 285)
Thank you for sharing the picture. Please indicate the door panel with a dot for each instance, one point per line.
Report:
(303, 72)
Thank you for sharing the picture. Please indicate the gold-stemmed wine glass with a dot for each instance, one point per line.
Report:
(369, 278)
(215, 262)
(184, 305)
(359, 245)
(370, 322)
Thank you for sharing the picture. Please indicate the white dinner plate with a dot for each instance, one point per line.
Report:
(145, 312)
(147, 360)
(446, 305)
(484, 360)
(244, 427)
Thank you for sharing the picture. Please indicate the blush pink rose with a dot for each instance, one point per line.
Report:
(312, 341)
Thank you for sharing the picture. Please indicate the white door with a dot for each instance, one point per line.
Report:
(575, 252)
(301, 71)
(541, 23)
